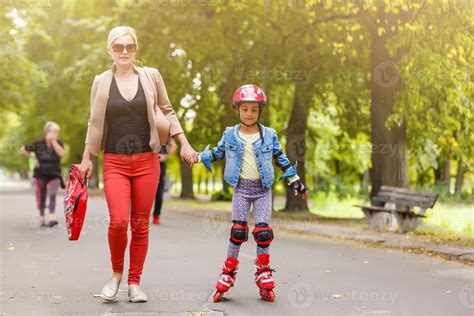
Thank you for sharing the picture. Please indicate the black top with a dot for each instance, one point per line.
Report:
(128, 126)
(49, 166)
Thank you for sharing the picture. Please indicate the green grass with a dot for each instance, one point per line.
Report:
(448, 219)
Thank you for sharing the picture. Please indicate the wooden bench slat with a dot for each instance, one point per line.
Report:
(428, 199)
(403, 201)
(422, 200)
(388, 210)
(405, 190)
(409, 196)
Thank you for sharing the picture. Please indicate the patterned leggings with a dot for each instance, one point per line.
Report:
(246, 193)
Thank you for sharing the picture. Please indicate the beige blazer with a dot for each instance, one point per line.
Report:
(97, 125)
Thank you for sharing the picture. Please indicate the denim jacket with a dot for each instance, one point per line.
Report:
(232, 147)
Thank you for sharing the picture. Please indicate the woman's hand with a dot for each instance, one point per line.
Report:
(25, 152)
(85, 168)
(188, 154)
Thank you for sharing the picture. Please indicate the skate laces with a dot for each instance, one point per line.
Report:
(264, 271)
(228, 272)
(265, 275)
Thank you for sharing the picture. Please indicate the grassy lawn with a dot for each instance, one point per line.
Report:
(447, 220)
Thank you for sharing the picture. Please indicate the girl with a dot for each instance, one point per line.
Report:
(249, 149)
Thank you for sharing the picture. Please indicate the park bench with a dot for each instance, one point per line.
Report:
(407, 206)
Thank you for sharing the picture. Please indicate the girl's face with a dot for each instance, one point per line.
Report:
(123, 50)
(249, 112)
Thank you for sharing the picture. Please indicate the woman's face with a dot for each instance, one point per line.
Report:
(53, 132)
(248, 112)
(123, 50)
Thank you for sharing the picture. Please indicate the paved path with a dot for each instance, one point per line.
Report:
(43, 273)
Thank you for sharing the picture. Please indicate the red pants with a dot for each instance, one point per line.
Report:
(130, 183)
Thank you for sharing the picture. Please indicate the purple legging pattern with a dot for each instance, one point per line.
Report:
(246, 193)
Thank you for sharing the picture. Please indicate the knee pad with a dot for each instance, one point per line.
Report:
(263, 235)
(239, 233)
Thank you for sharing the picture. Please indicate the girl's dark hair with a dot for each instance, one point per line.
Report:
(260, 128)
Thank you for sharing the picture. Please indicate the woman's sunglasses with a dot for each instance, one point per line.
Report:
(118, 48)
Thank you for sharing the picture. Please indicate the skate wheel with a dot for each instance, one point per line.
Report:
(217, 297)
(267, 295)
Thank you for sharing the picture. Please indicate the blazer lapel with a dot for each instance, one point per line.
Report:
(147, 87)
(145, 80)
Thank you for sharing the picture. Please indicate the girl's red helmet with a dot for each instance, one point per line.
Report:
(249, 93)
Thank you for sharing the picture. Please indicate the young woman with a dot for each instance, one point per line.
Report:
(122, 123)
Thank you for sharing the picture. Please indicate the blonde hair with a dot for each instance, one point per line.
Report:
(50, 126)
(120, 31)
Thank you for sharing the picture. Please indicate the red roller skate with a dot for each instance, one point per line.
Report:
(226, 279)
(263, 277)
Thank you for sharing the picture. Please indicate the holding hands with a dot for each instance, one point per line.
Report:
(189, 155)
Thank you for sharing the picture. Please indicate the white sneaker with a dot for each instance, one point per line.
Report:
(135, 294)
(110, 289)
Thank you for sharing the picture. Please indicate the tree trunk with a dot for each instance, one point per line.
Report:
(296, 146)
(199, 183)
(213, 181)
(421, 177)
(337, 166)
(459, 180)
(364, 186)
(447, 174)
(389, 161)
(438, 173)
(186, 181)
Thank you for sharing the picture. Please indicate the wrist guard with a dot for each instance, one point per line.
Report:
(298, 186)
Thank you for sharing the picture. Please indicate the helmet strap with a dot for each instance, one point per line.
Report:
(248, 125)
